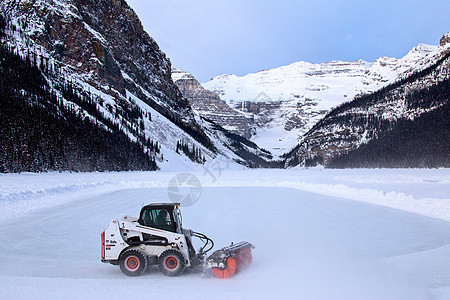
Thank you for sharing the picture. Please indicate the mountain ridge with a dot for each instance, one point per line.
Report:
(376, 117)
(98, 67)
(302, 93)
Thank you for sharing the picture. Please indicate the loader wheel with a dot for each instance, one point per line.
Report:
(171, 262)
(133, 262)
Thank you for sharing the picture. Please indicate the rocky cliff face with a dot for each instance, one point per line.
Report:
(445, 39)
(209, 105)
(103, 41)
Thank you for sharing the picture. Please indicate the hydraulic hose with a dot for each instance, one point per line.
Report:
(207, 242)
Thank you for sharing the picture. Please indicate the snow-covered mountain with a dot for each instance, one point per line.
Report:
(404, 124)
(89, 84)
(286, 102)
(98, 64)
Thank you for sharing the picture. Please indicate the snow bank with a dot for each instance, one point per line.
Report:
(419, 191)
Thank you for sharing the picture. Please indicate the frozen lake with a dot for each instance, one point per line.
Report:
(313, 239)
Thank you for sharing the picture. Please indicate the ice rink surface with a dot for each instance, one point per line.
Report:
(319, 234)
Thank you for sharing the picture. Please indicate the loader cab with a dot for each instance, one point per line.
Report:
(164, 216)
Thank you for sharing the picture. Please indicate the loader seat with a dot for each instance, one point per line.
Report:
(161, 218)
(163, 221)
(147, 219)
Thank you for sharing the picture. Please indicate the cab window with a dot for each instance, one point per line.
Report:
(158, 218)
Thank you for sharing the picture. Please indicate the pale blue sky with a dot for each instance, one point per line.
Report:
(209, 38)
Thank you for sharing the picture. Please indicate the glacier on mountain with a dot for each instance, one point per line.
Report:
(285, 102)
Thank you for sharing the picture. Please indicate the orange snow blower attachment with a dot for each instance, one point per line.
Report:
(226, 262)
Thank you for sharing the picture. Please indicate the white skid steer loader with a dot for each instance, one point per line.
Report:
(157, 237)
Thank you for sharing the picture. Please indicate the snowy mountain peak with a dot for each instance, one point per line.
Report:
(301, 93)
(295, 96)
(179, 74)
(445, 39)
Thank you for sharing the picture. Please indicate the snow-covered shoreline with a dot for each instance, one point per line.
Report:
(419, 191)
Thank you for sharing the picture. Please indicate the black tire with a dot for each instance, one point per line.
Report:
(133, 262)
(171, 262)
